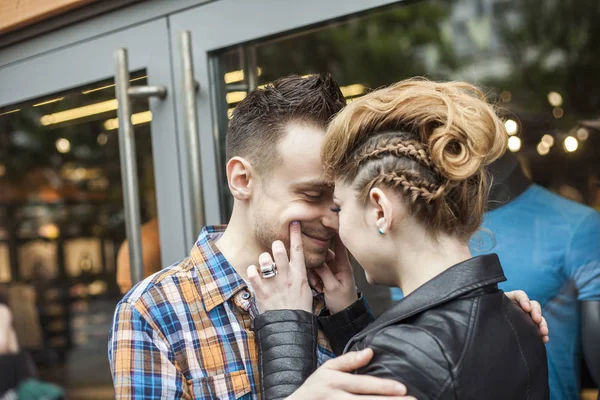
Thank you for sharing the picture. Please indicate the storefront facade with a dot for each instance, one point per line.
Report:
(64, 190)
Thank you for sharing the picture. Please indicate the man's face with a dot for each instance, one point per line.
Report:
(295, 190)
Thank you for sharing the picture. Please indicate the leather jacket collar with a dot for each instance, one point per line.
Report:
(455, 282)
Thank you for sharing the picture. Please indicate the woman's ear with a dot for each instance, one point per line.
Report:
(240, 178)
(382, 210)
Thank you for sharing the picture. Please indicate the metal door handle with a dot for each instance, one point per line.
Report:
(189, 89)
(128, 158)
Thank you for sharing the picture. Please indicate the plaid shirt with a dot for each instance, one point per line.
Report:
(186, 332)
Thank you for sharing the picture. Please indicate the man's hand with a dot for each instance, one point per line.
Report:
(8, 338)
(533, 308)
(335, 279)
(334, 380)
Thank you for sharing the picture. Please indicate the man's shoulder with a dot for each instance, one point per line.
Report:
(174, 284)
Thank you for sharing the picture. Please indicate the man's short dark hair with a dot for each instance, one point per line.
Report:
(259, 121)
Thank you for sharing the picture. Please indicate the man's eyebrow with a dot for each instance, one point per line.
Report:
(318, 184)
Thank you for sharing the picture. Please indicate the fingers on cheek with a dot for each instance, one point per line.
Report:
(278, 248)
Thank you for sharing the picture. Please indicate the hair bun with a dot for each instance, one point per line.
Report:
(464, 133)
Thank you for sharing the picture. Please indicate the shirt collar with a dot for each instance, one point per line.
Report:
(219, 280)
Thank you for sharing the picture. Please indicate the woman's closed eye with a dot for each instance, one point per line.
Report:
(336, 209)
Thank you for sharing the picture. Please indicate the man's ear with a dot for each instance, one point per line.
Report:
(240, 178)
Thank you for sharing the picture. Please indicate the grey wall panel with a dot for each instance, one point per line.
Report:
(79, 31)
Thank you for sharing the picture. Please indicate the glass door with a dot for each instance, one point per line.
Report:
(63, 196)
(545, 85)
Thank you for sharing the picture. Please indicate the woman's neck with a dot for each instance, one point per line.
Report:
(422, 258)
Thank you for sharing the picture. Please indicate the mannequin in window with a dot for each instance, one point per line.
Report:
(150, 255)
(550, 247)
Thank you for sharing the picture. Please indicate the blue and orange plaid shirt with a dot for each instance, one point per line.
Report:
(186, 332)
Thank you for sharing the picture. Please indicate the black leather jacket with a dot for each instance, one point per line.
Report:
(455, 337)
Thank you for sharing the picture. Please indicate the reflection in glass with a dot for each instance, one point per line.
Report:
(38, 260)
(61, 215)
(83, 256)
(5, 275)
(546, 85)
(538, 64)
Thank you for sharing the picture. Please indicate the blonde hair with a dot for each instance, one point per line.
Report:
(431, 141)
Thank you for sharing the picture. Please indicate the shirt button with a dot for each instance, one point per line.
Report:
(246, 295)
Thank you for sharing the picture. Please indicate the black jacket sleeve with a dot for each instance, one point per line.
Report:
(287, 345)
(340, 327)
(410, 356)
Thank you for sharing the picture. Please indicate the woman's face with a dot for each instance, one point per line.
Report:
(359, 232)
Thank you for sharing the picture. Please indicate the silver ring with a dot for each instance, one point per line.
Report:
(269, 271)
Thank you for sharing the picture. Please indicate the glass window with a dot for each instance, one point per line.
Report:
(62, 222)
(540, 71)
(538, 63)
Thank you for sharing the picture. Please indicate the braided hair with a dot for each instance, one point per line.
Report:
(429, 141)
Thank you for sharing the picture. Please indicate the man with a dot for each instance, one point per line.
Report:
(186, 332)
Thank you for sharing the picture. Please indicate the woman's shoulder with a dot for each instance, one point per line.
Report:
(410, 354)
(404, 338)
(440, 329)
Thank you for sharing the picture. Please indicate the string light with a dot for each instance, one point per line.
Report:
(514, 143)
(543, 148)
(511, 126)
(558, 112)
(548, 139)
(63, 145)
(583, 134)
(571, 144)
(555, 99)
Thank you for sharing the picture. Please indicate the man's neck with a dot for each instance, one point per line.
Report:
(238, 245)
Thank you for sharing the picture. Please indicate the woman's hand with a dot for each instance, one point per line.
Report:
(335, 279)
(533, 308)
(288, 289)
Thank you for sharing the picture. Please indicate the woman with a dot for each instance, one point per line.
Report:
(410, 189)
